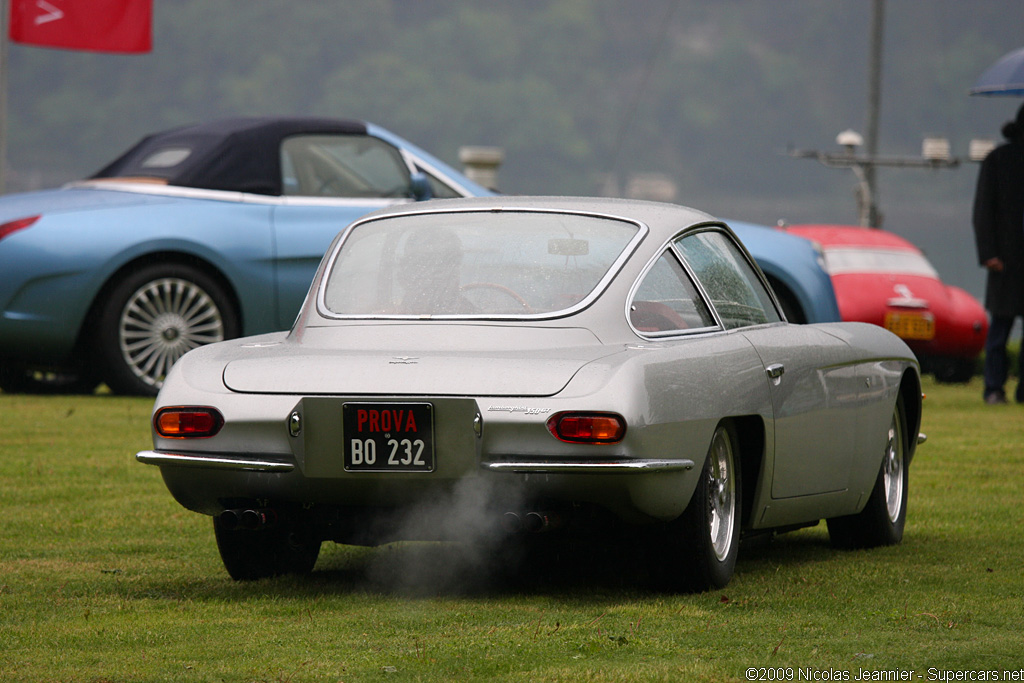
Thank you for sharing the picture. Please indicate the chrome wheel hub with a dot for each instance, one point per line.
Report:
(722, 498)
(892, 470)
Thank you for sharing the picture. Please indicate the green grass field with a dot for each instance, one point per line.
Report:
(103, 577)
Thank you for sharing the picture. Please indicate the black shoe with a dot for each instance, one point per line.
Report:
(995, 398)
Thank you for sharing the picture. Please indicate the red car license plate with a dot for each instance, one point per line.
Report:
(388, 437)
(910, 325)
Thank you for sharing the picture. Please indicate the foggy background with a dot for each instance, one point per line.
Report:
(584, 96)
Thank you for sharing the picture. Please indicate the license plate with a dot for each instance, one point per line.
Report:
(910, 325)
(388, 437)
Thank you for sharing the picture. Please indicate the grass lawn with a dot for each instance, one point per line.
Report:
(103, 577)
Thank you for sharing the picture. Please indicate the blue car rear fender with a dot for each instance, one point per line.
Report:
(795, 263)
(46, 293)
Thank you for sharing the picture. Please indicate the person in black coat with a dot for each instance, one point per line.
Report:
(999, 233)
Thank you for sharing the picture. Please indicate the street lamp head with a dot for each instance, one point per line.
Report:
(980, 148)
(935, 149)
(849, 139)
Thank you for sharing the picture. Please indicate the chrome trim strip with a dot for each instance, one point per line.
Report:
(647, 466)
(217, 463)
(179, 192)
(421, 165)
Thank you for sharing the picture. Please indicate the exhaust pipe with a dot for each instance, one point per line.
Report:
(250, 520)
(539, 522)
(230, 519)
(511, 522)
(531, 522)
(258, 519)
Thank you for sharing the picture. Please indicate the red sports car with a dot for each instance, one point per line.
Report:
(882, 278)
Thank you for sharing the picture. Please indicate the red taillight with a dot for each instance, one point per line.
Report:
(587, 427)
(188, 423)
(14, 226)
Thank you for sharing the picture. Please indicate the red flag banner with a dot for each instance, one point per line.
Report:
(97, 25)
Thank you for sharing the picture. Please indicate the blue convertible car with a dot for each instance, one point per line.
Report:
(212, 231)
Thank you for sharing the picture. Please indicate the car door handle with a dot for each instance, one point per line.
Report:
(775, 370)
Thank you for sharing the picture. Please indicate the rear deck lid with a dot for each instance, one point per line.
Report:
(417, 359)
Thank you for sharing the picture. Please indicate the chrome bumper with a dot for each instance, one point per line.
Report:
(646, 466)
(584, 467)
(210, 462)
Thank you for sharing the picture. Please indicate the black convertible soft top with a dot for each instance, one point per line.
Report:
(237, 154)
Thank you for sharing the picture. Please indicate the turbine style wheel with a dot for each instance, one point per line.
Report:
(153, 318)
(701, 546)
(883, 518)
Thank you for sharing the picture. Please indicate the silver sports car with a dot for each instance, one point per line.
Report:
(503, 366)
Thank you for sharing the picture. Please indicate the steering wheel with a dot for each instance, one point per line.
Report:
(499, 288)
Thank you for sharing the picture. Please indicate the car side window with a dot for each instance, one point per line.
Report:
(735, 290)
(358, 166)
(667, 301)
(438, 188)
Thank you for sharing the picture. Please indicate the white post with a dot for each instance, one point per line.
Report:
(481, 164)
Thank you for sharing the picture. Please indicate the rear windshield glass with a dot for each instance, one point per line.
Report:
(474, 264)
(166, 158)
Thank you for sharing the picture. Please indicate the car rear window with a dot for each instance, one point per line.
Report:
(166, 158)
(474, 264)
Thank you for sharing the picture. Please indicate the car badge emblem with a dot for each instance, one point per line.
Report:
(403, 360)
(903, 291)
(906, 298)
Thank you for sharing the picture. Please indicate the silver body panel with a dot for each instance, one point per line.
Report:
(813, 403)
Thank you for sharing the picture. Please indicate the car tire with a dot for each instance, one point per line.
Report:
(19, 379)
(790, 306)
(953, 370)
(883, 518)
(152, 317)
(262, 553)
(700, 550)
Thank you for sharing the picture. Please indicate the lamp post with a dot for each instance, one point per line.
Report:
(866, 174)
(935, 154)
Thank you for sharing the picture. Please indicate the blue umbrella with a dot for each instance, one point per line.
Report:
(1005, 77)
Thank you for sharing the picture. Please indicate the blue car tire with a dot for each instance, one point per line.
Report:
(27, 379)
